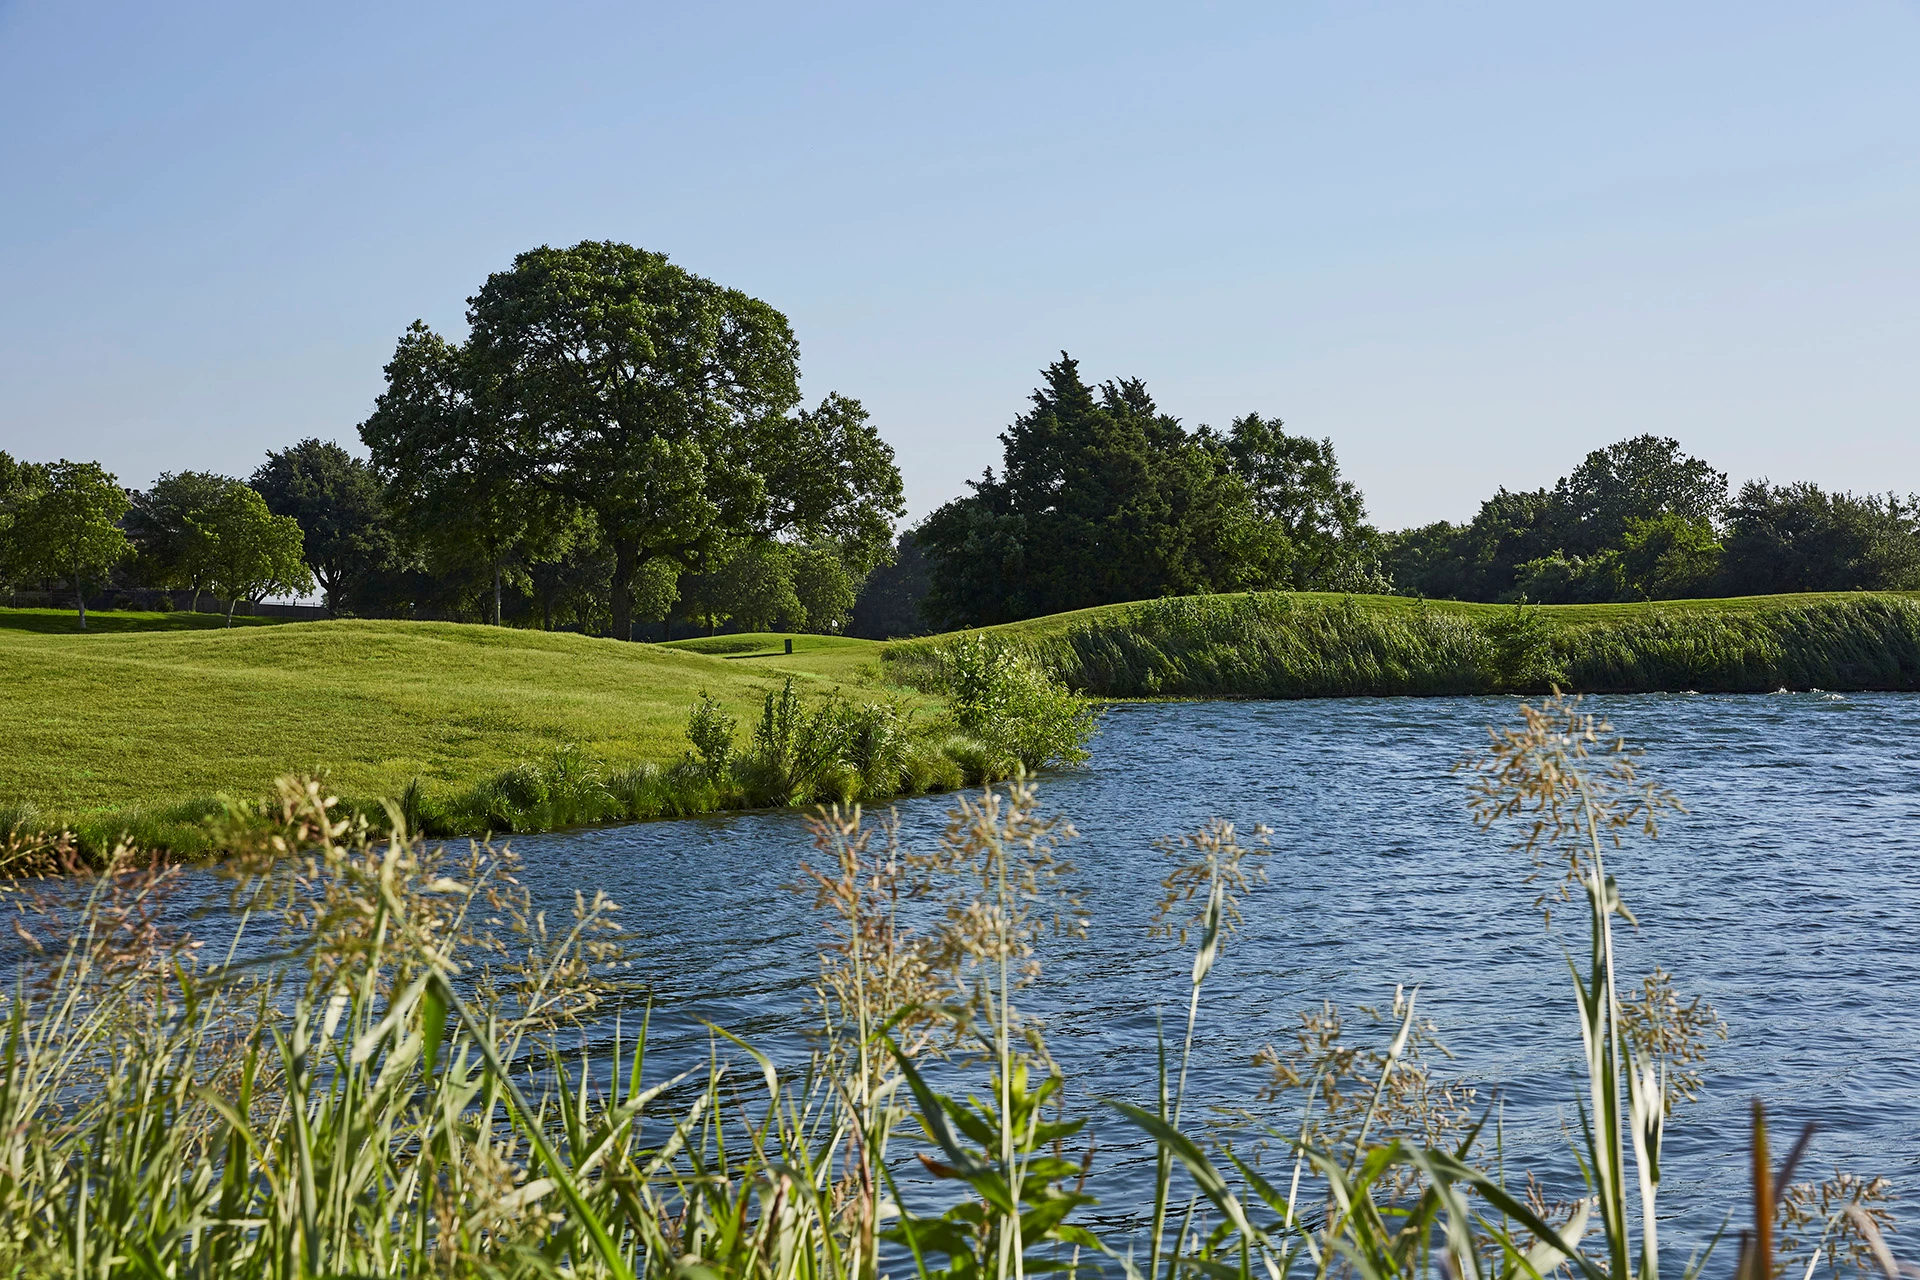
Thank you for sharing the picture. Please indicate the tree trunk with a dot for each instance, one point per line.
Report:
(230, 603)
(80, 595)
(496, 593)
(626, 560)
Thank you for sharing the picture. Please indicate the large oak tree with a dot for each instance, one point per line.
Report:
(605, 378)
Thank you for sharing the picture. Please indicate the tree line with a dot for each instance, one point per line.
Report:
(1643, 520)
(620, 445)
(616, 441)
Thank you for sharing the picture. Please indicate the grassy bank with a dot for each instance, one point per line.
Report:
(139, 725)
(1287, 645)
(154, 736)
(139, 729)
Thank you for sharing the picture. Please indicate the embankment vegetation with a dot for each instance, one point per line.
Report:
(433, 1080)
(1304, 645)
(150, 734)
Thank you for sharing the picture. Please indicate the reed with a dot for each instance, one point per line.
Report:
(398, 1084)
(1283, 645)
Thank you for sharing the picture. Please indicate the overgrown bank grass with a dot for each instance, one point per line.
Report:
(1283, 645)
(429, 1081)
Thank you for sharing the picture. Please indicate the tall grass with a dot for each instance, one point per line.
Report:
(1277, 645)
(399, 1088)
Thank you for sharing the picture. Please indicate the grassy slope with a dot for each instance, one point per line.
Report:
(111, 720)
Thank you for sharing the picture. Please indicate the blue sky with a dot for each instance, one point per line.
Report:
(1466, 242)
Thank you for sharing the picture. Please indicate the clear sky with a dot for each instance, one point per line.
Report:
(1466, 242)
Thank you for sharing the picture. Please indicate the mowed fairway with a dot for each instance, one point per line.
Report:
(121, 718)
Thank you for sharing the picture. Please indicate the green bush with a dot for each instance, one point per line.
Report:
(710, 729)
(792, 746)
(1003, 697)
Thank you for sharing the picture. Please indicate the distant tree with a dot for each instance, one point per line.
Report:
(18, 480)
(69, 526)
(652, 395)
(1295, 484)
(1101, 498)
(656, 590)
(249, 552)
(1670, 557)
(751, 587)
(160, 525)
(337, 500)
(888, 605)
(1643, 478)
(566, 569)
(456, 459)
(830, 478)
(825, 586)
(1797, 537)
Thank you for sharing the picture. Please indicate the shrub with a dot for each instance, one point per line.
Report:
(1003, 697)
(710, 729)
(1520, 644)
(792, 747)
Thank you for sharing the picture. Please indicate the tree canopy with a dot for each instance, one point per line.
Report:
(247, 552)
(605, 379)
(1643, 520)
(336, 499)
(68, 525)
(1102, 497)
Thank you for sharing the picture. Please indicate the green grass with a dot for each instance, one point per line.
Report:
(119, 622)
(153, 720)
(831, 657)
(1307, 644)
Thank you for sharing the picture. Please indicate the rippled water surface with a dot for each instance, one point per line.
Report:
(1787, 896)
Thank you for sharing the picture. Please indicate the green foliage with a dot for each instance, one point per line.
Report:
(1798, 538)
(1640, 520)
(1001, 696)
(338, 502)
(793, 746)
(1320, 519)
(1641, 479)
(244, 551)
(160, 524)
(453, 456)
(18, 481)
(711, 731)
(610, 357)
(1670, 557)
(67, 525)
(1279, 645)
(602, 384)
(888, 605)
(1521, 641)
(831, 481)
(824, 586)
(1103, 498)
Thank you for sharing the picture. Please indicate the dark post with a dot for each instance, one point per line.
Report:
(789, 644)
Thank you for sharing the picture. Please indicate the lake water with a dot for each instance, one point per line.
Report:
(1787, 896)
